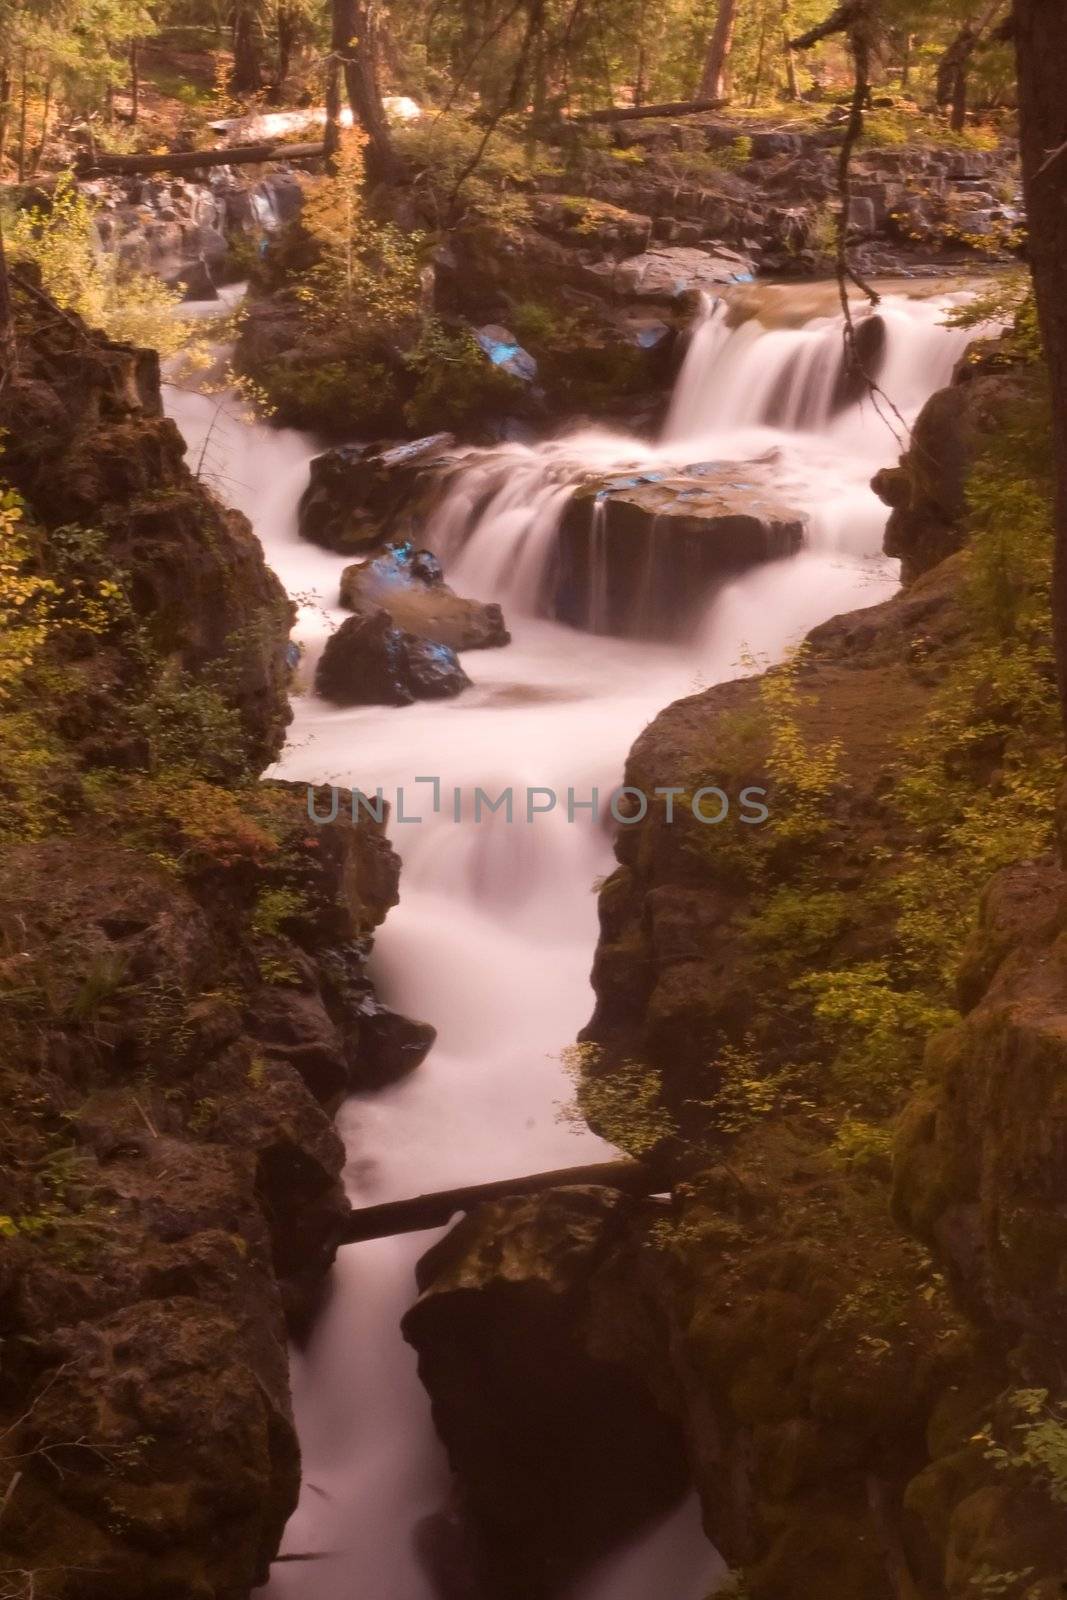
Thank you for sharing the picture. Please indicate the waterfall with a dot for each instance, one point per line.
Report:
(496, 926)
(746, 393)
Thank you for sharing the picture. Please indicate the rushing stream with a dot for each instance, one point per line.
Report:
(494, 935)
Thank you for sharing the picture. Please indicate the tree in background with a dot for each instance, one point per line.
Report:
(1039, 28)
(354, 53)
(713, 78)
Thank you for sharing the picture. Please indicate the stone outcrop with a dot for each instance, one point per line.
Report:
(88, 443)
(409, 585)
(927, 491)
(672, 272)
(640, 553)
(360, 496)
(185, 1003)
(369, 661)
(865, 1347)
(534, 1305)
(183, 230)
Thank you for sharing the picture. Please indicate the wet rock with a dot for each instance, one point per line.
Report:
(370, 661)
(671, 273)
(357, 494)
(850, 383)
(197, 282)
(544, 1375)
(639, 554)
(505, 352)
(408, 584)
(927, 491)
(392, 1046)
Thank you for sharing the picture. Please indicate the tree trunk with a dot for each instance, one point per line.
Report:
(5, 110)
(1040, 29)
(715, 63)
(332, 135)
(905, 61)
(22, 122)
(288, 23)
(135, 82)
(237, 155)
(355, 45)
(247, 74)
(670, 108)
(640, 88)
(38, 154)
(955, 64)
(757, 81)
(792, 87)
(7, 319)
(435, 1210)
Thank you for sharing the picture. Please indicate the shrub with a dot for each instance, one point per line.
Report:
(132, 307)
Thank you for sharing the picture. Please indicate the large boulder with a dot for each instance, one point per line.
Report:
(639, 553)
(358, 494)
(548, 1381)
(370, 661)
(927, 491)
(668, 274)
(409, 585)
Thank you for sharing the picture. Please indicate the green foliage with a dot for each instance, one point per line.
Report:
(364, 271)
(806, 774)
(798, 921)
(454, 382)
(131, 307)
(876, 1027)
(860, 1146)
(1041, 1449)
(439, 150)
(747, 1091)
(190, 727)
(1007, 300)
(624, 1106)
(276, 907)
(27, 598)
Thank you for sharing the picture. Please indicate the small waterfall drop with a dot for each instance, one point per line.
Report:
(746, 394)
(494, 934)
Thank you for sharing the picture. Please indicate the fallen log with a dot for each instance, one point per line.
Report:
(191, 160)
(672, 108)
(434, 1210)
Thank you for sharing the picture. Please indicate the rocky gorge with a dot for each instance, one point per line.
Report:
(824, 1347)
(185, 1005)
(846, 1307)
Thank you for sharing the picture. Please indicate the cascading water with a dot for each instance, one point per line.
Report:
(497, 525)
(494, 934)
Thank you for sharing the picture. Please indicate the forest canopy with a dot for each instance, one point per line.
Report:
(115, 72)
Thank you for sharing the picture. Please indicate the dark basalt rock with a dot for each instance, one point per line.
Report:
(545, 1372)
(370, 661)
(639, 554)
(860, 364)
(193, 1025)
(392, 1046)
(358, 493)
(927, 491)
(409, 585)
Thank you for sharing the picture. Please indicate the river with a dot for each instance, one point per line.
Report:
(494, 935)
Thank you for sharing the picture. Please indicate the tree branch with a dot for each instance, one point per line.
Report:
(837, 22)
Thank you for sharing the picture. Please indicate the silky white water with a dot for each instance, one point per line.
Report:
(493, 938)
